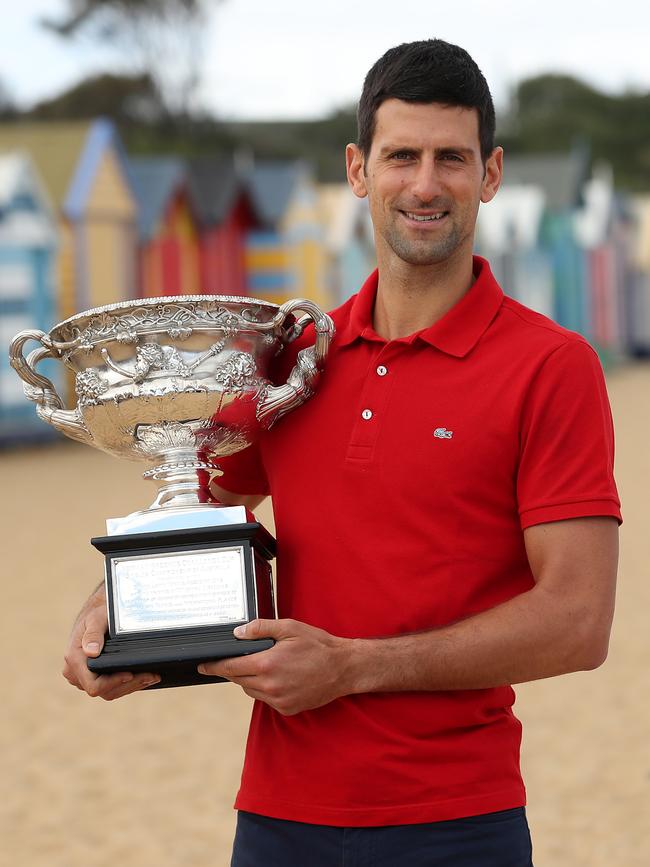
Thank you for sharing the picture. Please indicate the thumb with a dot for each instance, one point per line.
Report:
(93, 637)
(264, 629)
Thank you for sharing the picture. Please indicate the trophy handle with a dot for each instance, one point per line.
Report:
(40, 389)
(302, 381)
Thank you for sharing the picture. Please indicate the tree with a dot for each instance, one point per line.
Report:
(552, 112)
(124, 98)
(162, 38)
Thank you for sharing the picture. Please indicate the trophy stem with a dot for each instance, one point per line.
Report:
(183, 479)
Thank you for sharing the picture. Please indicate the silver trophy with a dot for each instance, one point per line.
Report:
(178, 383)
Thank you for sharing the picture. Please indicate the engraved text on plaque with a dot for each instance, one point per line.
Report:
(179, 589)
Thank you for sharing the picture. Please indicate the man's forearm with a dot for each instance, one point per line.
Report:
(531, 636)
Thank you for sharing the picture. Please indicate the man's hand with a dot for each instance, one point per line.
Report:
(87, 639)
(305, 669)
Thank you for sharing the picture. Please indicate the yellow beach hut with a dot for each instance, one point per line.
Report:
(83, 170)
(285, 256)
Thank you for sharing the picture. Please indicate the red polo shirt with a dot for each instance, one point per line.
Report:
(400, 494)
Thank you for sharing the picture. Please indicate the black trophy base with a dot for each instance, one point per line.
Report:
(175, 653)
(175, 661)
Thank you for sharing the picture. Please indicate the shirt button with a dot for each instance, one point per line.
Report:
(381, 370)
(366, 414)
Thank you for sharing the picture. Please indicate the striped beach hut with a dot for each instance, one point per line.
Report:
(168, 250)
(27, 291)
(285, 256)
(226, 217)
(83, 169)
(600, 227)
(639, 300)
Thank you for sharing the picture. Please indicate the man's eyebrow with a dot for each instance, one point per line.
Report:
(397, 148)
(446, 149)
(452, 149)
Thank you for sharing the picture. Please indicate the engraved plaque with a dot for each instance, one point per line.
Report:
(179, 589)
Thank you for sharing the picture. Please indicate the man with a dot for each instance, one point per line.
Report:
(446, 519)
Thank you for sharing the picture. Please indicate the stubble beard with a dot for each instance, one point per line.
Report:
(427, 251)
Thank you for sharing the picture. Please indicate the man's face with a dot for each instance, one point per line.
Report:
(424, 179)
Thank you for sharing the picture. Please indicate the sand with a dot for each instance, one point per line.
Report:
(150, 780)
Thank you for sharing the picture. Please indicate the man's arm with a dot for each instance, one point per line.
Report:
(561, 625)
(89, 629)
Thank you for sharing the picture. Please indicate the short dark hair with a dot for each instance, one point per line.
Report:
(431, 70)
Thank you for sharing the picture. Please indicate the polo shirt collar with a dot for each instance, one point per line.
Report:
(456, 333)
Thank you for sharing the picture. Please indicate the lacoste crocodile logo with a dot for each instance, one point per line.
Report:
(443, 434)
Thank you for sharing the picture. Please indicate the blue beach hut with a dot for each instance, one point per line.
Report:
(28, 241)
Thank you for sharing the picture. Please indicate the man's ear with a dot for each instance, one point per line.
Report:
(355, 164)
(493, 175)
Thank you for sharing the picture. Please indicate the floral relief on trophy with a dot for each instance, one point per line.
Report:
(177, 332)
(212, 441)
(171, 386)
(89, 387)
(125, 335)
(237, 372)
(177, 319)
(153, 356)
(155, 439)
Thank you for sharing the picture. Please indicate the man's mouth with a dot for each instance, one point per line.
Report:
(425, 218)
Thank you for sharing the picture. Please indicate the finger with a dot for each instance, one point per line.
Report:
(99, 685)
(76, 671)
(236, 667)
(68, 672)
(121, 682)
(273, 701)
(265, 629)
(142, 681)
(256, 694)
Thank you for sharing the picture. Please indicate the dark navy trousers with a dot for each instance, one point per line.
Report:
(493, 840)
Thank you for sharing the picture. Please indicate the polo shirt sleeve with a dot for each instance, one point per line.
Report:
(243, 472)
(566, 465)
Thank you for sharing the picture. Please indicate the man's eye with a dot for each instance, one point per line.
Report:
(402, 155)
(452, 157)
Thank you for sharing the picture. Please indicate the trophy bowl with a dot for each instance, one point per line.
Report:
(176, 382)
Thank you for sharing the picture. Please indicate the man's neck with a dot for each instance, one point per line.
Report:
(412, 297)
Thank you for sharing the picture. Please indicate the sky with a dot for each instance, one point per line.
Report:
(287, 59)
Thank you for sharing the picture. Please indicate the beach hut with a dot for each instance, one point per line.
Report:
(602, 228)
(561, 177)
(348, 240)
(83, 169)
(27, 290)
(285, 256)
(168, 236)
(226, 217)
(508, 235)
(639, 304)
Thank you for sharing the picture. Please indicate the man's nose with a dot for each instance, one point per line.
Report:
(426, 182)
